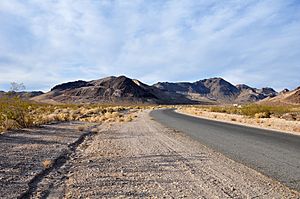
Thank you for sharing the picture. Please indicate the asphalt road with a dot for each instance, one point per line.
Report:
(272, 153)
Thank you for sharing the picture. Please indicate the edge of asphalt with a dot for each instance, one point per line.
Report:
(239, 123)
(234, 160)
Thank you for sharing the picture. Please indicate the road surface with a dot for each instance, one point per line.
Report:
(274, 154)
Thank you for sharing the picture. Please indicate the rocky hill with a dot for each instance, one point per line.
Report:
(285, 97)
(248, 94)
(218, 89)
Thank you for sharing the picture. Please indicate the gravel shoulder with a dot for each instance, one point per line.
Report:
(145, 159)
(23, 152)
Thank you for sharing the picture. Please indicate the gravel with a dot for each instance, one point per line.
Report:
(23, 152)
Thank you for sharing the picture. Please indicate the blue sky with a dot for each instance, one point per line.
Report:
(43, 43)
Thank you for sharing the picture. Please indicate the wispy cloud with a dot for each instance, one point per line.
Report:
(48, 42)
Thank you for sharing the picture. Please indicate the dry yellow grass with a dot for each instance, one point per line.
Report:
(47, 164)
(128, 119)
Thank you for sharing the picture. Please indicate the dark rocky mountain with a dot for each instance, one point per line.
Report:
(218, 89)
(70, 85)
(110, 90)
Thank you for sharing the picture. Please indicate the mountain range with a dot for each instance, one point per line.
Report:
(218, 90)
(125, 90)
(110, 90)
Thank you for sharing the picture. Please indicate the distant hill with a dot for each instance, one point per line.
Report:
(22, 94)
(285, 97)
(218, 89)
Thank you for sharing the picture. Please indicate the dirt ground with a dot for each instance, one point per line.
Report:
(26, 156)
(144, 159)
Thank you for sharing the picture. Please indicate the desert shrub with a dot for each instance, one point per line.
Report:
(225, 109)
(251, 110)
(262, 115)
(121, 119)
(255, 110)
(128, 119)
(10, 124)
(14, 113)
(47, 164)
(17, 113)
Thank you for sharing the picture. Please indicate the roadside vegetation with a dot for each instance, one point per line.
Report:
(257, 111)
(250, 110)
(16, 113)
(285, 118)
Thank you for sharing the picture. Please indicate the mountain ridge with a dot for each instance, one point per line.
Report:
(122, 89)
(111, 89)
(219, 89)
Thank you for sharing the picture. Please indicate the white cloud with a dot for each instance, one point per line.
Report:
(55, 41)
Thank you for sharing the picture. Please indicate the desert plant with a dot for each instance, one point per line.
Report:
(81, 128)
(255, 110)
(263, 115)
(14, 113)
(17, 113)
(47, 163)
